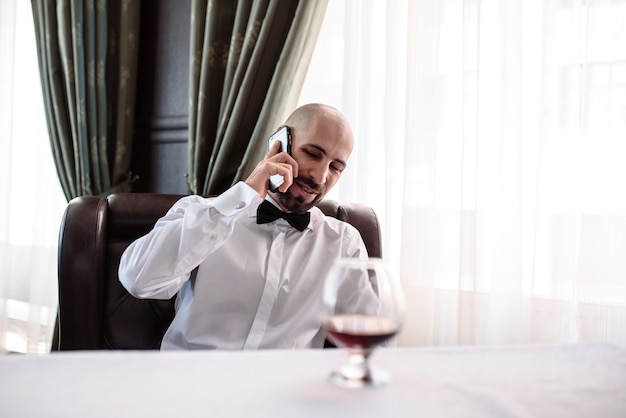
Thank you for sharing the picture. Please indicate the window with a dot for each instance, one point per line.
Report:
(490, 138)
(33, 202)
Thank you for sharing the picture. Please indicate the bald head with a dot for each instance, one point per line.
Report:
(313, 116)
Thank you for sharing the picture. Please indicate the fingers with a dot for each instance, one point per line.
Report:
(284, 178)
(274, 150)
(275, 162)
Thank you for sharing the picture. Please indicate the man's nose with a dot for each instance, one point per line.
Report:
(319, 173)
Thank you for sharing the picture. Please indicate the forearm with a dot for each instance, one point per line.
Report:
(157, 264)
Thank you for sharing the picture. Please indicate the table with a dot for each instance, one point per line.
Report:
(570, 380)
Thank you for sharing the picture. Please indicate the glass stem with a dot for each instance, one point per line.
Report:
(359, 360)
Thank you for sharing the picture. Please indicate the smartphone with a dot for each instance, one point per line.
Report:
(284, 136)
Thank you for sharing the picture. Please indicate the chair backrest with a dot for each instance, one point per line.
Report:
(95, 311)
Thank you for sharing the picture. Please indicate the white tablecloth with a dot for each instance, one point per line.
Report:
(578, 380)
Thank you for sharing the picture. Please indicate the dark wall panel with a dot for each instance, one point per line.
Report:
(167, 177)
(161, 115)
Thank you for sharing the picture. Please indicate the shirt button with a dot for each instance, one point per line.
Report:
(239, 205)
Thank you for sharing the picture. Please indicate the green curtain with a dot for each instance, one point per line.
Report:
(87, 59)
(248, 61)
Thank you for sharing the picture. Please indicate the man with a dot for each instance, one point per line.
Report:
(243, 282)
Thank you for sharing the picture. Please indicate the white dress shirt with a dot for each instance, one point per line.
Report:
(257, 286)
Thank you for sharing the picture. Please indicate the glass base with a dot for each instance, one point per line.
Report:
(349, 376)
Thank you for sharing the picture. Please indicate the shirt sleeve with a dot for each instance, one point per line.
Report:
(157, 264)
(353, 245)
(357, 292)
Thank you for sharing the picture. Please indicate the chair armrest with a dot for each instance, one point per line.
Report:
(81, 265)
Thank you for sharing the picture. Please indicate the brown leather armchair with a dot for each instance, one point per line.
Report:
(95, 311)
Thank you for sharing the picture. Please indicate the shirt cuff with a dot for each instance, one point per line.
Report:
(236, 199)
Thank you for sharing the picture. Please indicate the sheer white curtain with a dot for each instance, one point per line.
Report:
(491, 138)
(32, 201)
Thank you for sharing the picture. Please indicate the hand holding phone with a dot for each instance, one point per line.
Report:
(284, 136)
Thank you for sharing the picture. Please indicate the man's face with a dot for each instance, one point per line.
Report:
(321, 148)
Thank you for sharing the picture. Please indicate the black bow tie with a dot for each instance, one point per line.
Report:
(266, 212)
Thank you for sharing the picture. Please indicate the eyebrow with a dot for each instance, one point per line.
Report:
(323, 151)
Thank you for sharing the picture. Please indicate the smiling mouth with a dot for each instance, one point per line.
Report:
(306, 189)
